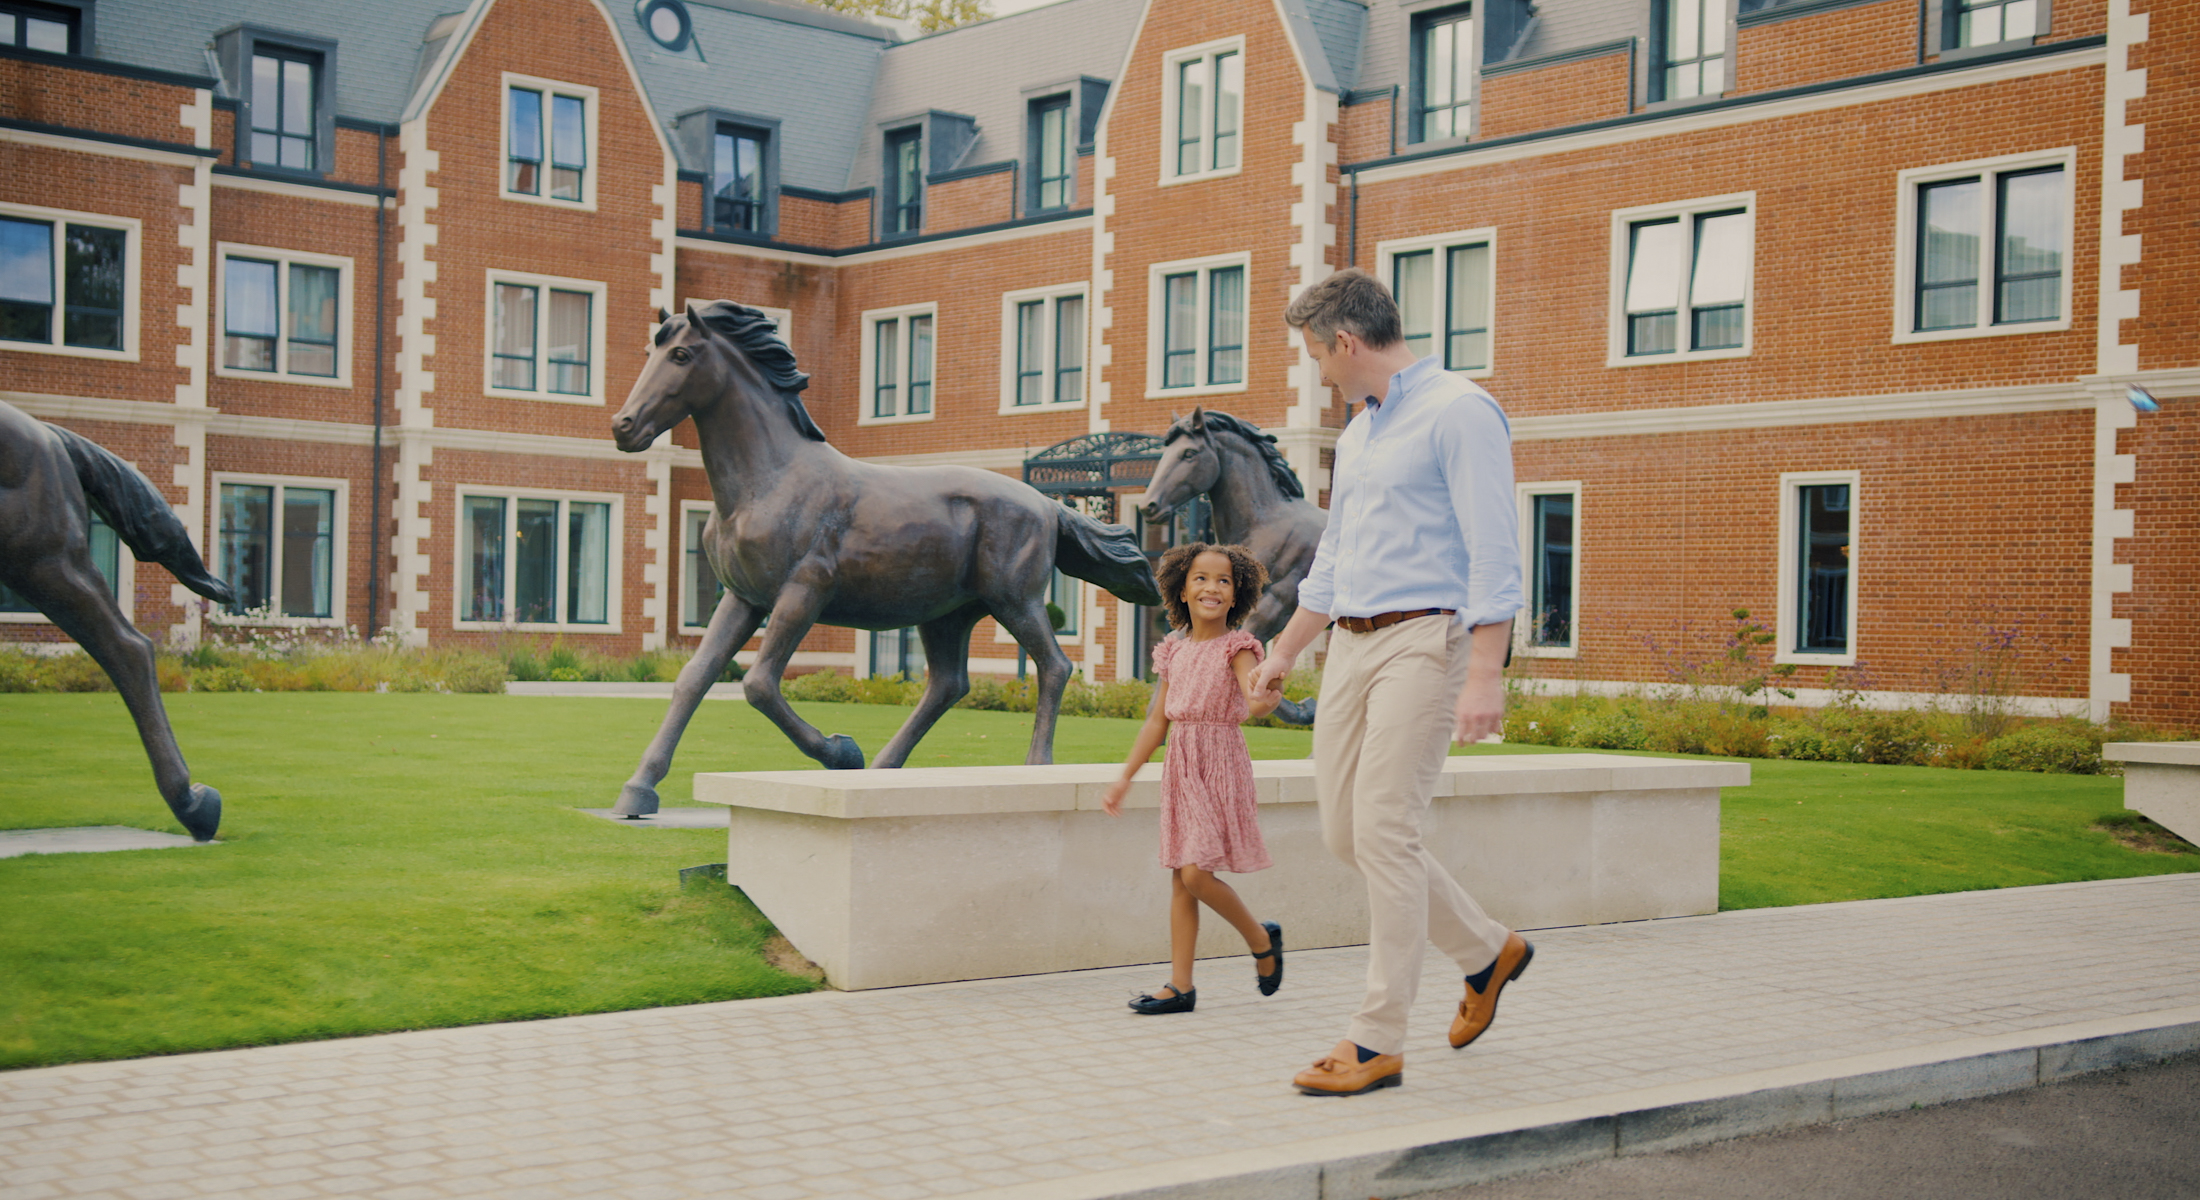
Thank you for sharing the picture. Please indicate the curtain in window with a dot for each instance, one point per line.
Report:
(312, 320)
(1180, 330)
(248, 315)
(1447, 78)
(1069, 349)
(1653, 285)
(2032, 235)
(886, 369)
(1695, 43)
(569, 342)
(1229, 104)
(523, 135)
(1467, 309)
(481, 559)
(282, 112)
(248, 543)
(26, 280)
(588, 563)
(1226, 325)
(1720, 283)
(920, 364)
(1949, 236)
(1191, 111)
(1031, 375)
(1412, 284)
(515, 338)
(1054, 155)
(309, 536)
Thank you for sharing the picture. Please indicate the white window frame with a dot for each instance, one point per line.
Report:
(689, 508)
(1387, 251)
(125, 589)
(283, 259)
(1907, 186)
(1170, 60)
(1052, 298)
(1786, 626)
(133, 239)
(1623, 221)
(869, 373)
(614, 557)
(1157, 317)
(1523, 497)
(784, 317)
(588, 97)
(543, 283)
(339, 547)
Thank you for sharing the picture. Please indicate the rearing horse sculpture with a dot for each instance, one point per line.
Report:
(48, 476)
(1256, 501)
(804, 534)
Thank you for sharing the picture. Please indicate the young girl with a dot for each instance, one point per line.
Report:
(1205, 690)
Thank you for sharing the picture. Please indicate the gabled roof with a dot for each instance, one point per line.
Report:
(981, 71)
(1327, 34)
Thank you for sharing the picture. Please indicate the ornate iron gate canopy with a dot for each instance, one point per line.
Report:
(1097, 464)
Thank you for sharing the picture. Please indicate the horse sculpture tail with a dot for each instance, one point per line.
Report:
(140, 516)
(1108, 555)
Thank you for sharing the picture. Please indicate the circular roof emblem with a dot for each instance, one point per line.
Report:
(667, 23)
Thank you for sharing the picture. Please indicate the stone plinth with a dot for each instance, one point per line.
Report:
(2162, 780)
(885, 878)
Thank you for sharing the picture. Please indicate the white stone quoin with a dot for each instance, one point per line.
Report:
(2161, 780)
(886, 878)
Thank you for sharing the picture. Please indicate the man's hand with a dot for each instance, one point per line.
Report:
(1480, 711)
(1268, 676)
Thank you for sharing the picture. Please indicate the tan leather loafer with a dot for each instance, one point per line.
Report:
(1336, 1077)
(1480, 1008)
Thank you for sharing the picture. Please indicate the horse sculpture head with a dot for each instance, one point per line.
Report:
(1191, 464)
(703, 357)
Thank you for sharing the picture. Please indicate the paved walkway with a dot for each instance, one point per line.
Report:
(1621, 1037)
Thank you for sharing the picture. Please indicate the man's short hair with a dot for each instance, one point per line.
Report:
(1349, 299)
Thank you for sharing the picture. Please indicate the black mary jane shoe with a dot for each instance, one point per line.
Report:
(1174, 1002)
(1274, 979)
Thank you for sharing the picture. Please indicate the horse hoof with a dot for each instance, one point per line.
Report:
(635, 800)
(1296, 712)
(841, 754)
(203, 815)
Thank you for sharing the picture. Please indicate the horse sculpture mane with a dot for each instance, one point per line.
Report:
(1280, 470)
(757, 336)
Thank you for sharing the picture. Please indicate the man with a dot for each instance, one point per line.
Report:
(1420, 570)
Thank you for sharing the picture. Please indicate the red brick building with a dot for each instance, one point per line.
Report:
(1827, 309)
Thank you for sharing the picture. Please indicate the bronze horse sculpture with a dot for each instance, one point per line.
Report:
(1255, 500)
(49, 480)
(804, 534)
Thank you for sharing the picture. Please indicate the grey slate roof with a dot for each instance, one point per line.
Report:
(1561, 25)
(980, 71)
(378, 42)
(1338, 25)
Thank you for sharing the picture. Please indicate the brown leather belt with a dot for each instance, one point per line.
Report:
(1385, 620)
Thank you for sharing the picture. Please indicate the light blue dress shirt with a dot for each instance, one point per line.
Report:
(1421, 509)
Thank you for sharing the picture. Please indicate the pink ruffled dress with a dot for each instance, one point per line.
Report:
(1208, 816)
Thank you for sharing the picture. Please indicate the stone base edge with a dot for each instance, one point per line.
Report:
(1457, 1152)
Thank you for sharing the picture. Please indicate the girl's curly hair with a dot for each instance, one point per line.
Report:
(1247, 576)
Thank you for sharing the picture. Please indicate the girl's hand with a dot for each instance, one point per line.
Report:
(1112, 803)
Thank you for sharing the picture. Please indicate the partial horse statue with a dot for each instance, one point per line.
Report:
(48, 475)
(1255, 500)
(804, 534)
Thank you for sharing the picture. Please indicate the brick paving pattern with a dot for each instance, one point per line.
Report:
(958, 1088)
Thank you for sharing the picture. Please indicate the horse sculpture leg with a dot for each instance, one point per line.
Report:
(74, 596)
(793, 616)
(731, 623)
(946, 680)
(1029, 625)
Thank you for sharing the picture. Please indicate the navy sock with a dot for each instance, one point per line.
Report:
(1365, 1053)
(1480, 980)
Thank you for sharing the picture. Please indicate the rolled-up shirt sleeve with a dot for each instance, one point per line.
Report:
(1475, 453)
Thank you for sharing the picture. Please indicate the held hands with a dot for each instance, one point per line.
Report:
(1268, 676)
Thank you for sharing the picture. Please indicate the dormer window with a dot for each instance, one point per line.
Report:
(52, 28)
(283, 108)
(1054, 156)
(905, 180)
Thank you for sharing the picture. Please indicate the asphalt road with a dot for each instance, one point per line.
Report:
(2120, 1135)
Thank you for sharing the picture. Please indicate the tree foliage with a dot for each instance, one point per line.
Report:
(930, 15)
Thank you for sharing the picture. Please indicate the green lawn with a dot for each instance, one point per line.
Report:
(409, 861)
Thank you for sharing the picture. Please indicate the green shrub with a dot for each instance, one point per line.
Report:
(2061, 748)
(993, 694)
(1607, 728)
(886, 689)
(825, 687)
(465, 672)
(18, 672)
(221, 679)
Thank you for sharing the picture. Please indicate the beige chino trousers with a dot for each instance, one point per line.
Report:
(1381, 735)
